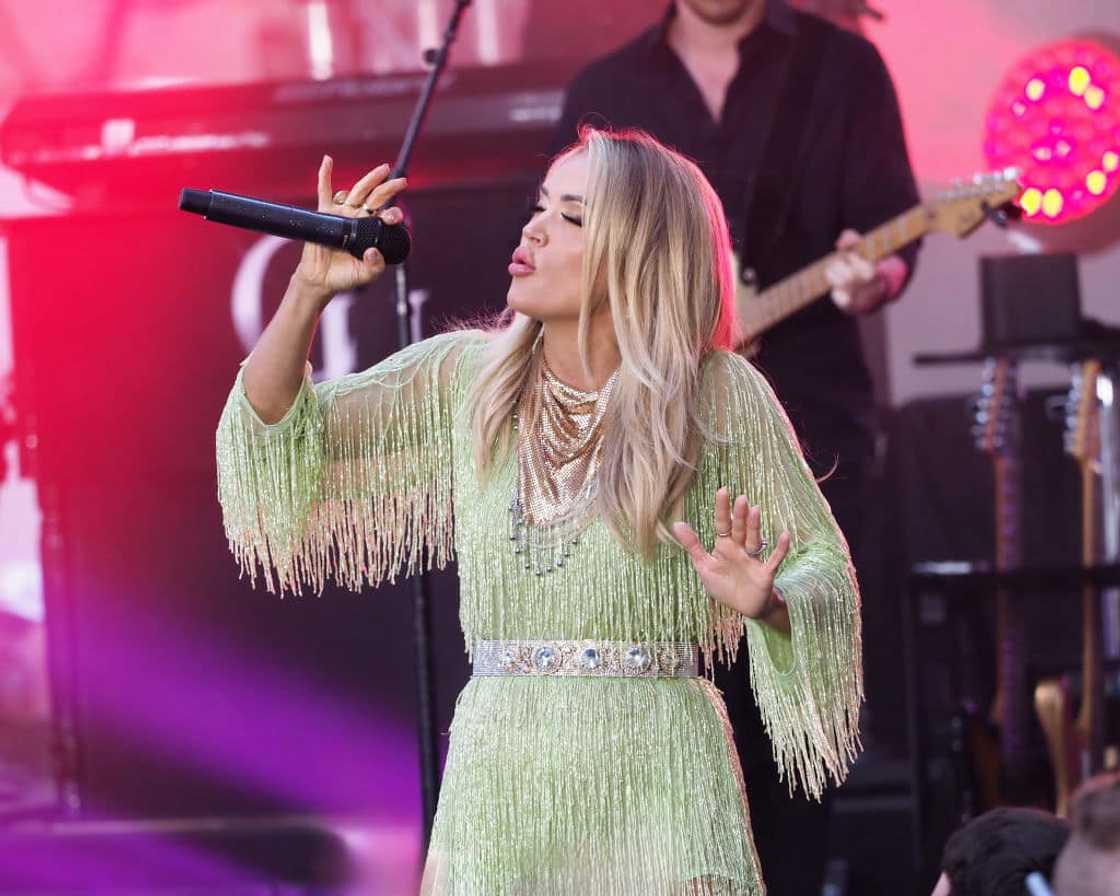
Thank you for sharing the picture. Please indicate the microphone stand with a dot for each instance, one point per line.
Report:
(422, 623)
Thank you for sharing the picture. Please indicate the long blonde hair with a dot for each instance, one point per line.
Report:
(658, 254)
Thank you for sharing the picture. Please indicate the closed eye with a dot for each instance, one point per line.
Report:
(571, 219)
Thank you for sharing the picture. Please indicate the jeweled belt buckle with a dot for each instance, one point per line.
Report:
(586, 658)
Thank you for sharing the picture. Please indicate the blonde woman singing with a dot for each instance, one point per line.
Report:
(624, 496)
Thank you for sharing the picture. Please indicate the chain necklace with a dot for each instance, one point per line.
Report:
(557, 461)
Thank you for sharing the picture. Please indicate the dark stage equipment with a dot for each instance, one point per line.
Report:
(1030, 298)
(180, 691)
(1060, 586)
(140, 147)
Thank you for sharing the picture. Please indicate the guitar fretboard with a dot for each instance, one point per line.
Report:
(795, 292)
(1000, 436)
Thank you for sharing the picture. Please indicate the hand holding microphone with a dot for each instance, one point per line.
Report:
(333, 270)
(338, 254)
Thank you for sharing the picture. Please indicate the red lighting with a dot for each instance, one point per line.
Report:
(1056, 117)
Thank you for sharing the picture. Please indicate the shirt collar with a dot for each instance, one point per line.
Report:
(779, 18)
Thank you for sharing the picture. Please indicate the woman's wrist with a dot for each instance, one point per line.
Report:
(307, 293)
(892, 272)
(775, 603)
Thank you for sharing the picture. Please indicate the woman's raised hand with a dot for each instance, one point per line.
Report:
(328, 271)
(734, 572)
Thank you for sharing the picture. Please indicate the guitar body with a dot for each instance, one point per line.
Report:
(998, 743)
(977, 749)
(750, 325)
(1076, 745)
(1053, 705)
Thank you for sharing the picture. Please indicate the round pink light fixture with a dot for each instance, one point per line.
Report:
(1056, 117)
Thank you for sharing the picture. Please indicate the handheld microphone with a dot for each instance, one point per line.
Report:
(354, 235)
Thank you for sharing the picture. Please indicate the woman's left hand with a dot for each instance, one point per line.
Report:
(734, 572)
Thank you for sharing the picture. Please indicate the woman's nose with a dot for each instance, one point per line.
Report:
(534, 233)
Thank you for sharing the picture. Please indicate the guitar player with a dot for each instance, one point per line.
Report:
(796, 124)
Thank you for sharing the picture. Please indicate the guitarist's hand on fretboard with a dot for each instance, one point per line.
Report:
(959, 211)
(859, 285)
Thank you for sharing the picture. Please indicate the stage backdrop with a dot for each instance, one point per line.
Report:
(188, 691)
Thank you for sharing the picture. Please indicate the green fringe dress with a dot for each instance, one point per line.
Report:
(563, 785)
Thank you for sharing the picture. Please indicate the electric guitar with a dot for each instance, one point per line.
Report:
(1076, 746)
(959, 211)
(998, 745)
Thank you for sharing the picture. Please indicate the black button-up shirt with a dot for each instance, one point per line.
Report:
(856, 174)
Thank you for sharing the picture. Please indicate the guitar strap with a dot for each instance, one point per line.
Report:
(771, 191)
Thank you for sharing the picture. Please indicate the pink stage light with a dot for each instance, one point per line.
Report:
(1056, 117)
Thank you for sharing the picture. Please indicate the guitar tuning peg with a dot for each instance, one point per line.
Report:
(998, 215)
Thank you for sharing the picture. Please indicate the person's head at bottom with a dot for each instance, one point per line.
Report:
(993, 854)
(1090, 863)
(624, 265)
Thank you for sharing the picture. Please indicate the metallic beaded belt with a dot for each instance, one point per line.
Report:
(645, 659)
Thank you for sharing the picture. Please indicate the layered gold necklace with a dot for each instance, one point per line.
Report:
(558, 454)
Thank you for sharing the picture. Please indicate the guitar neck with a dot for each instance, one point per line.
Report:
(1008, 489)
(1010, 710)
(1092, 695)
(799, 290)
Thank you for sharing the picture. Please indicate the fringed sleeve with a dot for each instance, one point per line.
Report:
(808, 684)
(355, 482)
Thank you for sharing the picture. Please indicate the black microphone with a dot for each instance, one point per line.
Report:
(354, 235)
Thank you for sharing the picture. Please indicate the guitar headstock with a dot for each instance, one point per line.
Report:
(1082, 435)
(966, 206)
(995, 411)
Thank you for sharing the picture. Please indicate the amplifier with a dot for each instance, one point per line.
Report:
(1029, 298)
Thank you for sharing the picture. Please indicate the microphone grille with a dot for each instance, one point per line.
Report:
(392, 240)
(395, 242)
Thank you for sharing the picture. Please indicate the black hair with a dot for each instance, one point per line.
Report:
(993, 854)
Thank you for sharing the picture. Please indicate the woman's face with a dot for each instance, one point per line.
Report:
(547, 266)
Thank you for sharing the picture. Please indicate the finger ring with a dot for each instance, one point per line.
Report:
(758, 551)
(723, 534)
(340, 197)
